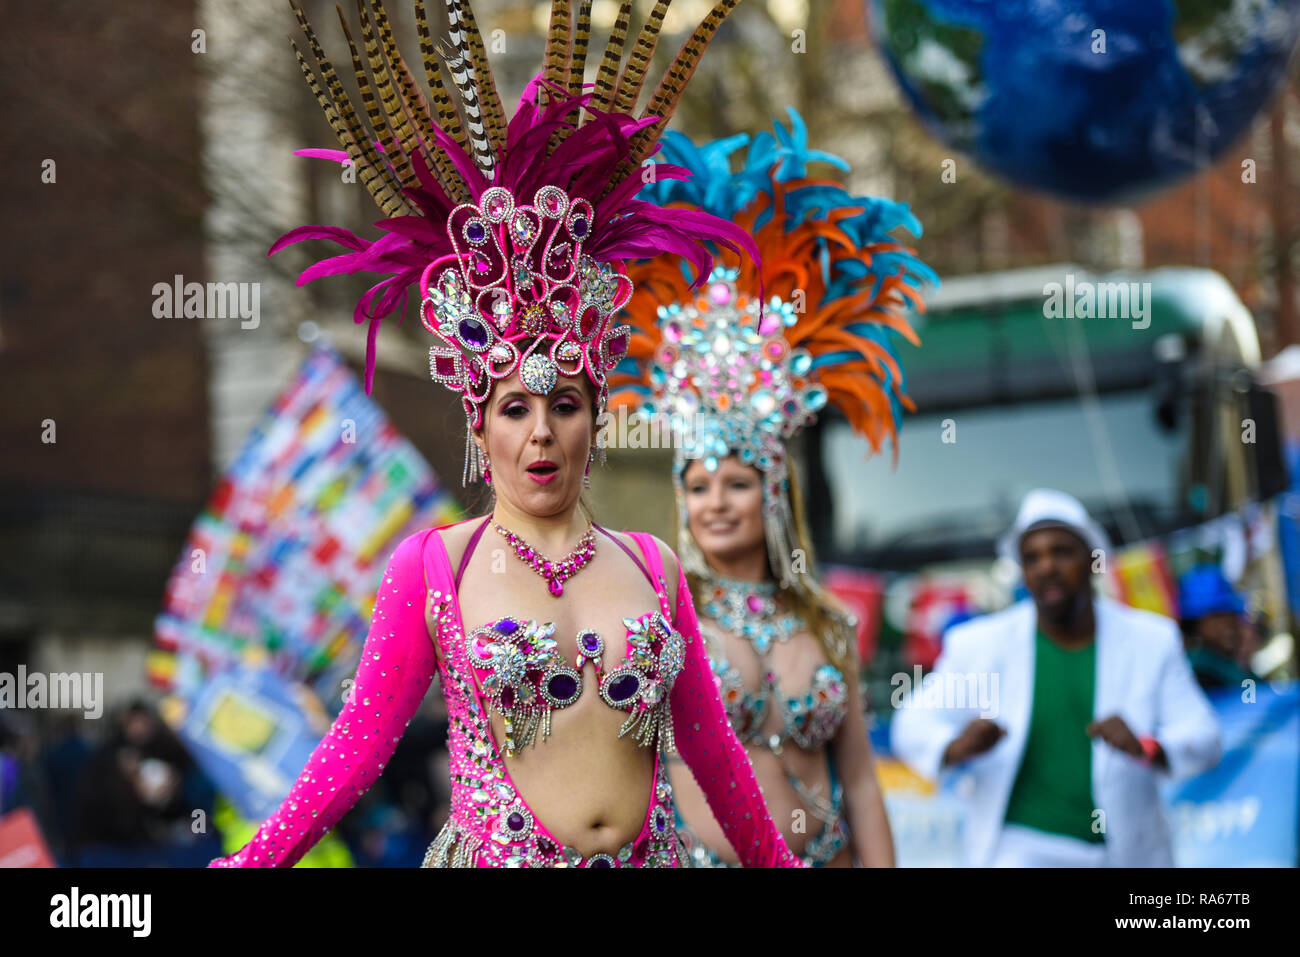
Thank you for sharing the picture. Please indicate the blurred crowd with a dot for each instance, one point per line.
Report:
(133, 797)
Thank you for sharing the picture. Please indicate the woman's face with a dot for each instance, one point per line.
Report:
(725, 508)
(537, 445)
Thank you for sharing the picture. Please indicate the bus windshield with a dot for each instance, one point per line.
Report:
(1112, 454)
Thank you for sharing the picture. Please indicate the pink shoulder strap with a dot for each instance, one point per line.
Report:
(437, 564)
(653, 561)
(437, 569)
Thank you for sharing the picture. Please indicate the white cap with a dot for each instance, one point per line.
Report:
(1048, 507)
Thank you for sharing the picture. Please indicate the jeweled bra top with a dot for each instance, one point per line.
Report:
(811, 721)
(518, 672)
(490, 823)
(752, 611)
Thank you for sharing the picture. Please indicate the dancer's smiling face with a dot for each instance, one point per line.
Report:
(725, 508)
(537, 445)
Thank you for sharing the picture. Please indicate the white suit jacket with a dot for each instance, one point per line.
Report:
(1142, 675)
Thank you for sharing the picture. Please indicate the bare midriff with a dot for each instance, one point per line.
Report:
(589, 788)
(584, 784)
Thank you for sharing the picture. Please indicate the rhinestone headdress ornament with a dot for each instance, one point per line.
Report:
(514, 233)
(734, 376)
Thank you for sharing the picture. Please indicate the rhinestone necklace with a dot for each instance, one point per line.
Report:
(750, 609)
(555, 573)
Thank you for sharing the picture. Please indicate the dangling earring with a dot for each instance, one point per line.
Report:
(586, 475)
(487, 469)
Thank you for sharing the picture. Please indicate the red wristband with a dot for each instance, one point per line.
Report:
(1150, 748)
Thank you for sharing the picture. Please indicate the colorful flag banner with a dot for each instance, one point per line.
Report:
(281, 567)
(1242, 812)
(1142, 578)
(252, 731)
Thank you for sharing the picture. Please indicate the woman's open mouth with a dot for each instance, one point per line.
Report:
(542, 472)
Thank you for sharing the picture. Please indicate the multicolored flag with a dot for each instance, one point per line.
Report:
(1142, 578)
(282, 566)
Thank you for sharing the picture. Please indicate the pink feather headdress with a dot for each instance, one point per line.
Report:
(515, 235)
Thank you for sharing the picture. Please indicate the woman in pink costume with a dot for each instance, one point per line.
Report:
(567, 679)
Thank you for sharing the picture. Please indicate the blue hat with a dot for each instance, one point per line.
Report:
(1204, 590)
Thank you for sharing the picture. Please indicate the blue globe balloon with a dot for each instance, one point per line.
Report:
(1094, 100)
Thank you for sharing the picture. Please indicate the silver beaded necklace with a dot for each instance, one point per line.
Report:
(750, 609)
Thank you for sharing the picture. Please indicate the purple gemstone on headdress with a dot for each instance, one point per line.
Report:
(515, 821)
(579, 227)
(475, 232)
(473, 333)
(562, 687)
(507, 626)
(624, 687)
(590, 642)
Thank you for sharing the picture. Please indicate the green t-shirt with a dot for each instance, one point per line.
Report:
(1053, 789)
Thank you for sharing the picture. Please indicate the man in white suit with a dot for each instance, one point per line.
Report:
(1096, 703)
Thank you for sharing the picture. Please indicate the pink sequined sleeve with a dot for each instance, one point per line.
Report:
(717, 759)
(396, 668)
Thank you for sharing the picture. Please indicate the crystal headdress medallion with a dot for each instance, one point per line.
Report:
(519, 294)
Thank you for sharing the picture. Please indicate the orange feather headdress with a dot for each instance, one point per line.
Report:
(742, 366)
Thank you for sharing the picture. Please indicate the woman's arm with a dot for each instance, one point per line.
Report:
(397, 665)
(717, 759)
(864, 804)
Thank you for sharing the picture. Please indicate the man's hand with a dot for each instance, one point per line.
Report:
(1117, 734)
(976, 738)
